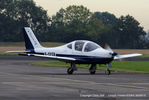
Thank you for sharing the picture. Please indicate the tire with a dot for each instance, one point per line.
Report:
(107, 72)
(92, 72)
(70, 71)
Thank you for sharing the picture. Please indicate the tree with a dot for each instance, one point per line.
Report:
(71, 22)
(7, 27)
(108, 20)
(126, 33)
(94, 29)
(78, 14)
(106, 17)
(25, 13)
(146, 40)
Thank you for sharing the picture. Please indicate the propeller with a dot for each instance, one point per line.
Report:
(107, 47)
(113, 53)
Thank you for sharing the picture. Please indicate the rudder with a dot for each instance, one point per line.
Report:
(31, 41)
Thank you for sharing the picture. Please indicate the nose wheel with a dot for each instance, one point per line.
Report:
(108, 71)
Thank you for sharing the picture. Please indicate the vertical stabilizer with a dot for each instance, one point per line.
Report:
(31, 41)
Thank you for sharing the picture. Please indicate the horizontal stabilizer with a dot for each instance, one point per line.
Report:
(54, 57)
(127, 56)
(18, 51)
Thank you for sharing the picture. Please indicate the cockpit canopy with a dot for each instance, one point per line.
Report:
(79, 45)
(82, 45)
(90, 47)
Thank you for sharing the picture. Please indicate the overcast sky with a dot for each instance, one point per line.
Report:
(136, 8)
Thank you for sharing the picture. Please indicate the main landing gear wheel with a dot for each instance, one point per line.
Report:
(107, 72)
(70, 70)
(92, 69)
(92, 72)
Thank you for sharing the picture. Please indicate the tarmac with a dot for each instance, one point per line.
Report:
(21, 81)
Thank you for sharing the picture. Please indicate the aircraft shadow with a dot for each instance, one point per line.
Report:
(100, 73)
(61, 74)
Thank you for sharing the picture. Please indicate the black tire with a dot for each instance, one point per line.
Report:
(107, 72)
(70, 71)
(92, 72)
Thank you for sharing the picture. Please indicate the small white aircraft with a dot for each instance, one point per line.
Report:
(76, 52)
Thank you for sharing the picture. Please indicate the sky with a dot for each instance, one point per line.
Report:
(139, 9)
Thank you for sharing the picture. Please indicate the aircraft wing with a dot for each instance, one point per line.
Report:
(25, 51)
(66, 59)
(127, 56)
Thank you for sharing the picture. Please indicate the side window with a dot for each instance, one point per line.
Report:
(69, 46)
(90, 47)
(79, 46)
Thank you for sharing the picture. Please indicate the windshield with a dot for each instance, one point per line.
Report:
(90, 47)
(69, 46)
(79, 45)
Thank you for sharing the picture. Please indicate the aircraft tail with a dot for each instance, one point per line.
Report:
(31, 41)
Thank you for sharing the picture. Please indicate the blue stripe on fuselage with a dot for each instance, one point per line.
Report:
(81, 59)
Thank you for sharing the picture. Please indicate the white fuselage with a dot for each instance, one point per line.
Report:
(64, 50)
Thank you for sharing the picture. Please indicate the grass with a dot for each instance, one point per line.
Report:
(127, 66)
(143, 56)
(13, 54)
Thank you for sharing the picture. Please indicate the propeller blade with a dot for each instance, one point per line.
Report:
(120, 59)
(107, 47)
(113, 53)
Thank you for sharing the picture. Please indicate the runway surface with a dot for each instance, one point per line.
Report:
(21, 81)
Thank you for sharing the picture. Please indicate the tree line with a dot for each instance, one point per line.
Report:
(71, 23)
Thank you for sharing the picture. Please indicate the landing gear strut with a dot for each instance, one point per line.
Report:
(92, 69)
(71, 69)
(108, 71)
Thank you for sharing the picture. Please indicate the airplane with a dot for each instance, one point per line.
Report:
(75, 52)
